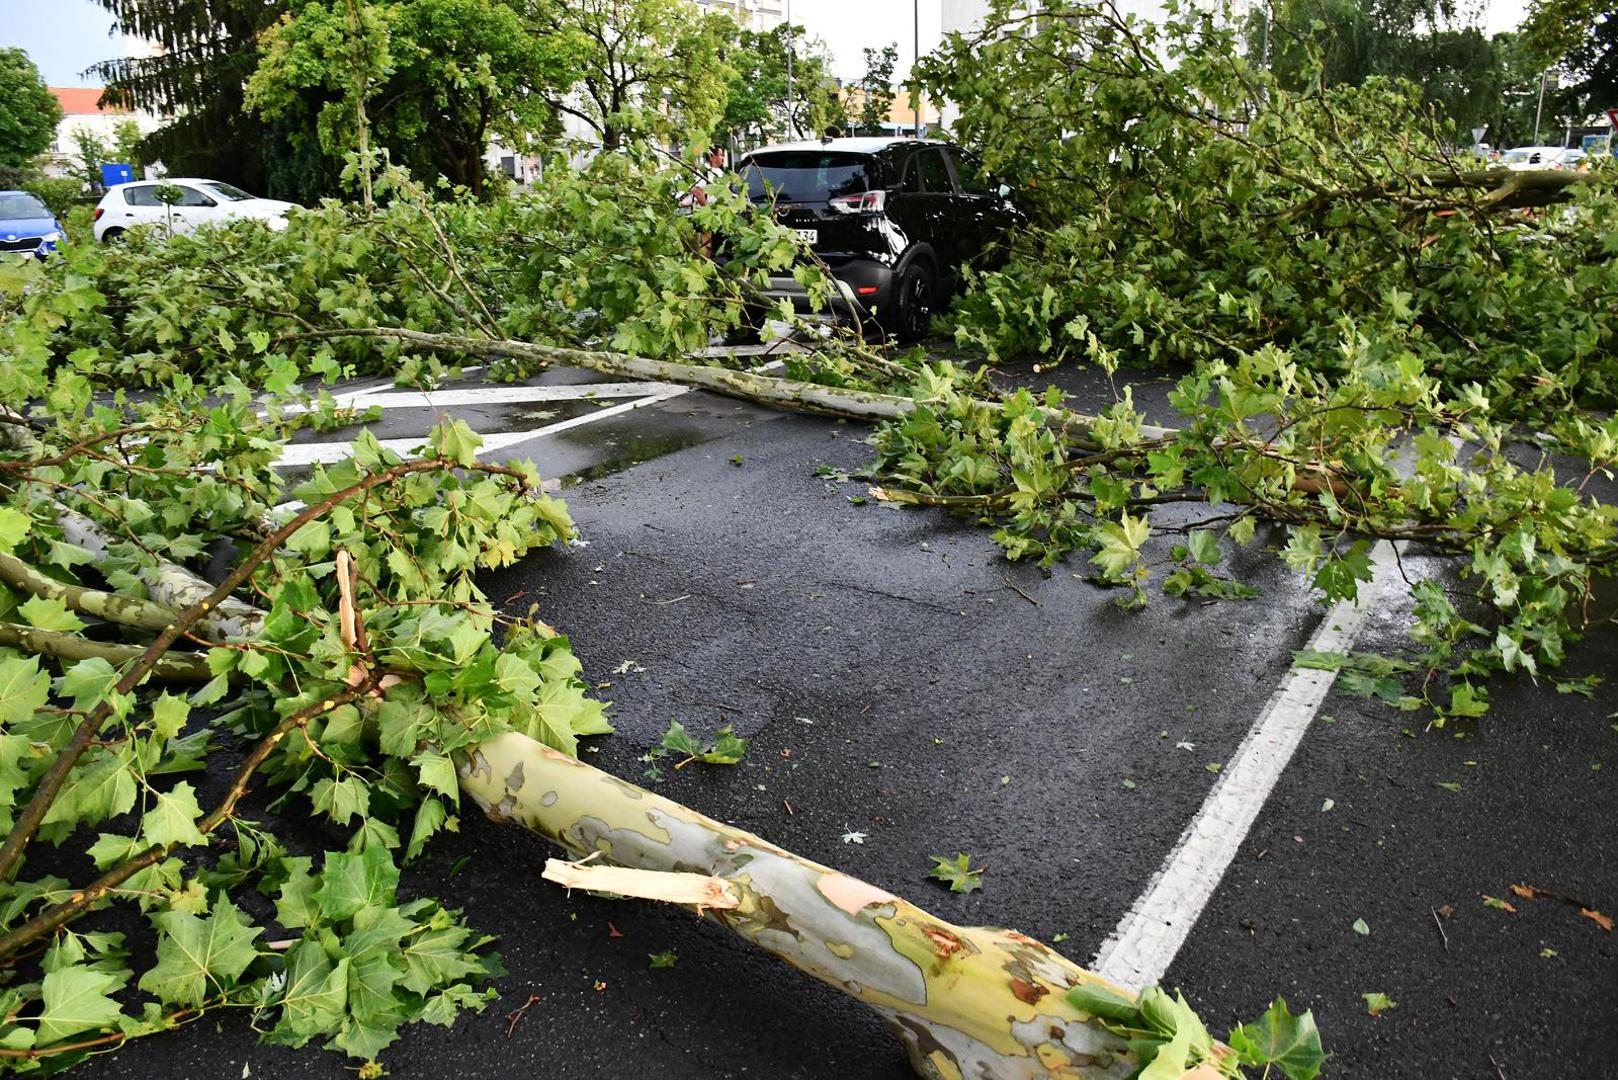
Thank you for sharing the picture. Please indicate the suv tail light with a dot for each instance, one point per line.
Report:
(97, 215)
(866, 202)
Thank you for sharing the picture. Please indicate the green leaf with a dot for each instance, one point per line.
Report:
(350, 882)
(23, 689)
(957, 873)
(316, 997)
(437, 773)
(341, 799)
(199, 956)
(1280, 1039)
(1102, 1002)
(14, 526)
(77, 999)
(49, 614)
(88, 681)
(1119, 544)
(1204, 546)
(1377, 1003)
(454, 440)
(1361, 927)
(173, 818)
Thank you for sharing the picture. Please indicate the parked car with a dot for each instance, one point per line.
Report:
(26, 225)
(202, 202)
(893, 219)
(1525, 158)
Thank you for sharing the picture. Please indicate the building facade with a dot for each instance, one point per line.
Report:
(760, 15)
(82, 111)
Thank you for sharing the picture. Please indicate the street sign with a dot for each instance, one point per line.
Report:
(116, 174)
(1612, 117)
(1477, 134)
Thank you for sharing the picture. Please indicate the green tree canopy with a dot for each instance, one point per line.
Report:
(1581, 38)
(876, 88)
(648, 68)
(1472, 79)
(196, 79)
(437, 78)
(757, 104)
(31, 111)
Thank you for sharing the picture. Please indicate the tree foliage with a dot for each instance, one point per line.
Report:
(875, 90)
(647, 68)
(28, 122)
(1581, 37)
(1473, 80)
(207, 51)
(437, 79)
(757, 105)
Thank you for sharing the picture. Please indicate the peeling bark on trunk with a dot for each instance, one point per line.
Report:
(113, 607)
(170, 584)
(965, 1001)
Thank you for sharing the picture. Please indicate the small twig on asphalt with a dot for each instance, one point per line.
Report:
(515, 1017)
(1012, 585)
(676, 600)
(1440, 924)
(1497, 1069)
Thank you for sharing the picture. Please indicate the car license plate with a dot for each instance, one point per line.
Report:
(810, 237)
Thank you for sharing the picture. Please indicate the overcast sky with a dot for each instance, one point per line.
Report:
(66, 36)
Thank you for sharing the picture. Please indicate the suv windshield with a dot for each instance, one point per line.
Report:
(808, 175)
(226, 191)
(16, 205)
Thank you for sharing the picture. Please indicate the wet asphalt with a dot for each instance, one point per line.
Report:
(900, 680)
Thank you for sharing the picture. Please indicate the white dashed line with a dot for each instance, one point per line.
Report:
(1151, 934)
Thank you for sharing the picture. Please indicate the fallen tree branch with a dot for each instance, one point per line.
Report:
(113, 607)
(169, 583)
(174, 667)
(965, 1001)
(791, 394)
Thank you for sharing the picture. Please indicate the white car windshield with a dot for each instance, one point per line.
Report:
(226, 191)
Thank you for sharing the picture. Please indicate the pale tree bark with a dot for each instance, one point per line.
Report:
(964, 1001)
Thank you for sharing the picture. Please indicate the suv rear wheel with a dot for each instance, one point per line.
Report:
(915, 295)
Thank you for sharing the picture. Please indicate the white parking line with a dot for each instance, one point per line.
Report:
(502, 395)
(325, 453)
(1151, 934)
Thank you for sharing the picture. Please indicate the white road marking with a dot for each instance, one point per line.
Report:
(325, 453)
(502, 395)
(1151, 934)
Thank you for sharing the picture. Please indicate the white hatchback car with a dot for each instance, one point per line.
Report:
(1529, 158)
(202, 202)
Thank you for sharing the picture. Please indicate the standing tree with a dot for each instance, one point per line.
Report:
(1580, 36)
(429, 80)
(28, 121)
(196, 79)
(757, 103)
(648, 68)
(1472, 80)
(876, 89)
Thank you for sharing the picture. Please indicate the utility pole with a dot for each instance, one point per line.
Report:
(791, 125)
(915, 30)
(1540, 108)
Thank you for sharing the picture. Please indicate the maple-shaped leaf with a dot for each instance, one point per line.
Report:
(957, 873)
(198, 957)
(76, 999)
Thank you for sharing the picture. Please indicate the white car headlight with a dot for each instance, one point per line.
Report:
(51, 237)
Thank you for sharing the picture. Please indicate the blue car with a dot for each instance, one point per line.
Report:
(26, 226)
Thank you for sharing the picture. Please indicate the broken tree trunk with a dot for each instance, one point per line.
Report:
(791, 394)
(964, 1001)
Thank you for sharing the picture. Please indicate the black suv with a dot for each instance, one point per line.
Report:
(894, 220)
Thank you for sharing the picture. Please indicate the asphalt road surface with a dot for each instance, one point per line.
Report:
(1125, 777)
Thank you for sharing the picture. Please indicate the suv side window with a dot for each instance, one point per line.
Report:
(910, 176)
(969, 172)
(934, 172)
